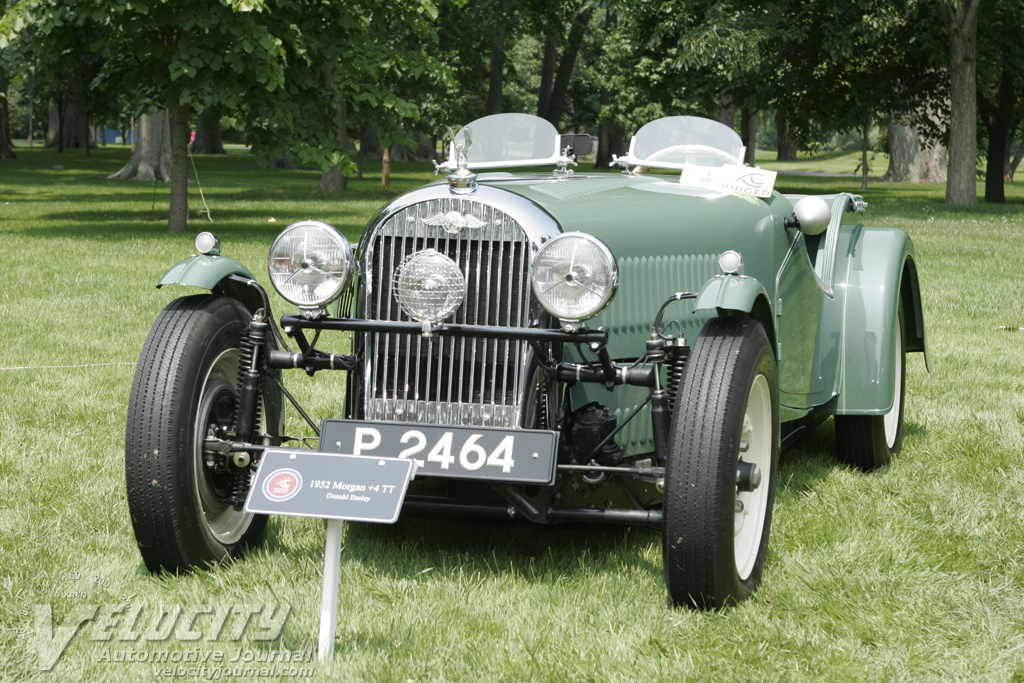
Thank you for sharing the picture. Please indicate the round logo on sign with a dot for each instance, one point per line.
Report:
(282, 484)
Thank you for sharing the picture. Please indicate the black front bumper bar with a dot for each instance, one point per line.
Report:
(583, 336)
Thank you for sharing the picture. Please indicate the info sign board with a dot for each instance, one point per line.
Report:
(306, 483)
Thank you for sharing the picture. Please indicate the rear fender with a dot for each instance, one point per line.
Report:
(881, 274)
(214, 273)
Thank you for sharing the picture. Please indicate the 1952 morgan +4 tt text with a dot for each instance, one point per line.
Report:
(629, 348)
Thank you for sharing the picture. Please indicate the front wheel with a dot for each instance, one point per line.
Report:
(182, 501)
(721, 470)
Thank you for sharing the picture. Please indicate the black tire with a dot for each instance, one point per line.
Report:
(185, 381)
(868, 442)
(713, 553)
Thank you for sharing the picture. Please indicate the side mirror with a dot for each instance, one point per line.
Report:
(812, 215)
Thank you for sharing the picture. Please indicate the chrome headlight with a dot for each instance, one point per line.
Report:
(574, 277)
(310, 264)
(429, 286)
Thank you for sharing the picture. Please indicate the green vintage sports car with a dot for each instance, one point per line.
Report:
(626, 348)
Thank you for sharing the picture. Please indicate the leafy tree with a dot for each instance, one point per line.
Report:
(261, 58)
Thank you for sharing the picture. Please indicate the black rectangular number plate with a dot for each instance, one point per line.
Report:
(523, 456)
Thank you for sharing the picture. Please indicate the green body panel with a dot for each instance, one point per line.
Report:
(808, 359)
(665, 237)
(204, 271)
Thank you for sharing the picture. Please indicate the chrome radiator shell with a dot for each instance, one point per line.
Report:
(483, 382)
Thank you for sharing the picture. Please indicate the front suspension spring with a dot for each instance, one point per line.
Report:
(677, 357)
(240, 487)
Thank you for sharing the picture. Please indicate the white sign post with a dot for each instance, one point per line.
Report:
(334, 487)
(329, 601)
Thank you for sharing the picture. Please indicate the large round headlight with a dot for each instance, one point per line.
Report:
(574, 277)
(310, 263)
(429, 286)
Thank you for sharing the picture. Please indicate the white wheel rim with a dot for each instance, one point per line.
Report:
(225, 523)
(751, 506)
(891, 420)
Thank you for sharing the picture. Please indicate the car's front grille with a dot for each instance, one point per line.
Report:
(464, 381)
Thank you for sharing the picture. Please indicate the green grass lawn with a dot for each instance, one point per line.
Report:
(837, 161)
(913, 573)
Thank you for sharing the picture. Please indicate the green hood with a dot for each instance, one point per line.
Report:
(665, 237)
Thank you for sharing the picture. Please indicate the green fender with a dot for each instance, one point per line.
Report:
(730, 293)
(880, 274)
(211, 272)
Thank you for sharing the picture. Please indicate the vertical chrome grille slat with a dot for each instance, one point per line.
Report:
(468, 381)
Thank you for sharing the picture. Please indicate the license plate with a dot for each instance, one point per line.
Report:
(524, 456)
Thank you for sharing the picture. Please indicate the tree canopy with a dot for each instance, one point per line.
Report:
(261, 59)
(305, 74)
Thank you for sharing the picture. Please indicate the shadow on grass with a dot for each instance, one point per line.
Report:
(453, 545)
(447, 546)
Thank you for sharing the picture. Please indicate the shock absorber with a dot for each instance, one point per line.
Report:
(661, 418)
(678, 353)
(247, 405)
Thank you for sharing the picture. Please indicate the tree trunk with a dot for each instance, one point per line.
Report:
(727, 112)
(547, 76)
(748, 116)
(369, 143)
(997, 121)
(864, 155)
(560, 86)
(385, 169)
(177, 219)
(906, 159)
(786, 144)
(69, 127)
(151, 149)
(62, 111)
(424, 147)
(962, 25)
(332, 180)
(31, 112)
(285, 163)
(609, 136)
(495, 87)
(6, 146)
(1011, 165)
(605, 131)
(207, 135)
